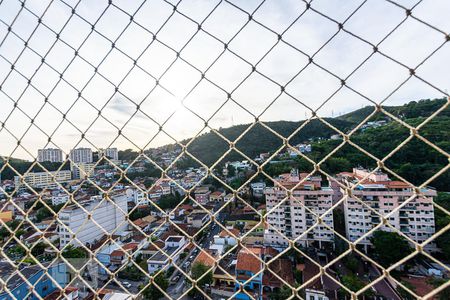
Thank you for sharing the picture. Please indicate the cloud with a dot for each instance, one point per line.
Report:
(181, 53)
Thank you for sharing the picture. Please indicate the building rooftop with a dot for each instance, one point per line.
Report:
(234, 232)
(199, 216)
(206, 258)
(162, 256)
(283, 268)
(247, 261)
(202, 190)
(174, 239)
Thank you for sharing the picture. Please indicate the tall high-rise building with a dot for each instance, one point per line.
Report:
(111, 153)
(50, 154)
(81, 155)
(382, 195)
(299, 212)
(109, 214)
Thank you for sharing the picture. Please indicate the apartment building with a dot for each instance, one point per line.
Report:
(60, 198)
(383, 195)
(43, 179)
(137, 196)
(299, 212)
(111, 153)
(81, 155)
(81, 170)
(50, 154)
(202, 194)
(109, 214)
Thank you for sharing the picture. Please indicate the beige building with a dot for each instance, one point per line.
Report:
(298, 213)
(81, 170)
(44, 179)
(415, 219)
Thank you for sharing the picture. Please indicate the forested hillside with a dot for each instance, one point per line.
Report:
(416, 161)
(209, 147)
(413, 109)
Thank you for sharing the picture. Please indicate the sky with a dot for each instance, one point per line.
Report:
(170, 90)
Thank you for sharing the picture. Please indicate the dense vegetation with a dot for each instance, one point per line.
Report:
(413, 109)
(209, 147)
(415, 161)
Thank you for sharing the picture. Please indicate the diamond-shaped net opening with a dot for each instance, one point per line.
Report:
(224, 150)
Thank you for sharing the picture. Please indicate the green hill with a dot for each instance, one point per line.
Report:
(416, 161)
(209, 147)
(413, 109)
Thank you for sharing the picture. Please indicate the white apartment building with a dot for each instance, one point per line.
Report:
(298, 213)
(111, 153)
(110, 216)
(81, 155)
(137, 196)
(60, 198)
(415, 219)
(258, 188)
(50, 154)
(44, 179)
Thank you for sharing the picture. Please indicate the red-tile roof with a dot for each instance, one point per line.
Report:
(248, 262)
(234, 232)
(283, 268)
(205, 258)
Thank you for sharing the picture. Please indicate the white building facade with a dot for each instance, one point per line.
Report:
(110, 216)
(111, 153)
(81, 155)
(298, 213)
(382, 195)
(50, 154)
(82, 170)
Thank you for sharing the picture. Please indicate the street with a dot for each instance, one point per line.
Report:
(176, 288)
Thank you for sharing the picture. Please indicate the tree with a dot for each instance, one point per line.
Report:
(231, 171)
(38, 249)
(151, 292)
(351, 263)
(73, 252)
(168, 201)
(389, 247)
(284, 293)
(4, 233)
(335, 165)
(404, 293)
(442, 219)
(128, 154)
(131, 273)
(352, 282)
(437, 282)
(197, 271)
